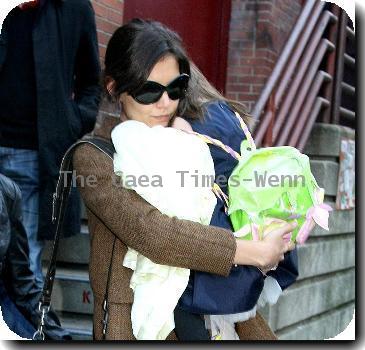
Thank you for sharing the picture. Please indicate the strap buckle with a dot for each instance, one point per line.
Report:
(106, 316)
(54, 200)
(43, 309)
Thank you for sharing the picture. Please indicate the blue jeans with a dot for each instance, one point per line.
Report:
(12, 316)
(21, 165)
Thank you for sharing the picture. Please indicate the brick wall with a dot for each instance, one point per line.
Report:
(109, 16)
(258, 32)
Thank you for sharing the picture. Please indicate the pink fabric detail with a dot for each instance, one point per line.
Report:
(317, 214)
(287, 237)
(255, 232)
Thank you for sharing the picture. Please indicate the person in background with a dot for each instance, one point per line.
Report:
(49, 96)
(19, 293)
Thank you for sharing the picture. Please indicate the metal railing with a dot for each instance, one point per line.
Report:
(307, 83)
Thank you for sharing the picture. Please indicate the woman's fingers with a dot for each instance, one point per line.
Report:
(283, 230)
(288, 228)
(276, 245)
(290, 246)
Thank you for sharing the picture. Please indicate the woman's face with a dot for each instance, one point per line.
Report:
(160, 112)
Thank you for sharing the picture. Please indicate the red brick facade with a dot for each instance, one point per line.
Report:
(109, 16)
(258, 32)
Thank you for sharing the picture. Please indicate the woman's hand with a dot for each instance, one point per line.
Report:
(275, 246)
(265, 254)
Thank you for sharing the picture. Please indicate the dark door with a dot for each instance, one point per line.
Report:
(202, 24)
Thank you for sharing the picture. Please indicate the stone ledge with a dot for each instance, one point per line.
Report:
(73, 296)
(80, 326)
(83, 214)
(318, 258)
(326, 174)
(321, 327)
(75, 249)
(325, 140)
(311, 297)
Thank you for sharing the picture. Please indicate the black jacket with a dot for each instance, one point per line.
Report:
(17, 277)
(67, 73)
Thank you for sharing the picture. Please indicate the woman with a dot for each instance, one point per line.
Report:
(119, 217)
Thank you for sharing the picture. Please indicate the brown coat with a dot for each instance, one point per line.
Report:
(114, 211)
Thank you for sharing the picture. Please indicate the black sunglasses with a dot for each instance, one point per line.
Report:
(151, 91)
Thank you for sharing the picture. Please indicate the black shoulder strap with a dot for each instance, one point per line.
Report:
(60, 197)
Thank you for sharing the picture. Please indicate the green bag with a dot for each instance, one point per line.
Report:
(270, 187)
(274, 185)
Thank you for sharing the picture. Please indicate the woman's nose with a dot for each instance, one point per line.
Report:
(164, 100)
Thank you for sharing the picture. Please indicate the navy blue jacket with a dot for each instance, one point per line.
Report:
(213, 294)
(67, 71)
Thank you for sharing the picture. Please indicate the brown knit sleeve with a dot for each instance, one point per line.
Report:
(164, 240)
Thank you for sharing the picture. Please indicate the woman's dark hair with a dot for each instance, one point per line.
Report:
(135, 48)
(201, 92)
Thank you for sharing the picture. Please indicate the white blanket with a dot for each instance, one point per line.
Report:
(173, 171)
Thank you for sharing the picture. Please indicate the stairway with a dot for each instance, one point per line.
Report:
(323, 298)
(347, 92)
(313, 80)
(72, 297)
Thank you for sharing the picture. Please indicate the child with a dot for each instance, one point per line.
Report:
(226, 301)
(174, 156)
(172, 161)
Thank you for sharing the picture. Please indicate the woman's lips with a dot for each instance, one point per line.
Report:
(162, 116)
(162, 119)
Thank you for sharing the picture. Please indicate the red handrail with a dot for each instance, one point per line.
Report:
(296, 82)
(281, 63)
(305, 62)
(294, 115)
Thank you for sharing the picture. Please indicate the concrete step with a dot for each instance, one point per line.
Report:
(74, 249)
(72, 291)
(322, 256)
(324, 326)
(308, 298)
(326, 174)
(83, 210)
(80, 326)
(325, 140)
